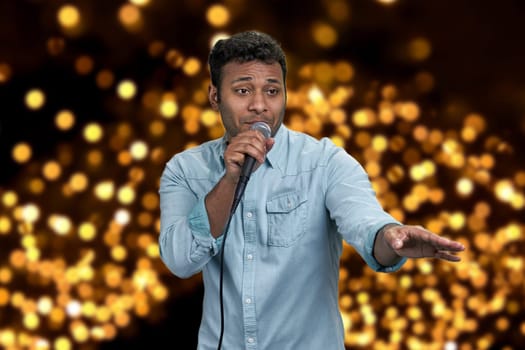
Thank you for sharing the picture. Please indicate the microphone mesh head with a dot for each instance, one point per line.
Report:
(263, 128)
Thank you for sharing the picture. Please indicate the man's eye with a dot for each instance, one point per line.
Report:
(243, 91)
(273, 91)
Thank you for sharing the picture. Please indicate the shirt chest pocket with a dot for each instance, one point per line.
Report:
(286, 218)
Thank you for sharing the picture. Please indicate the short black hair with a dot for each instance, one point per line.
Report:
(244, 47)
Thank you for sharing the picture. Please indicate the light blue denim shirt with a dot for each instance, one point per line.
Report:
(283, 246)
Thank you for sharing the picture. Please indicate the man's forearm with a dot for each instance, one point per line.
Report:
(218, 205)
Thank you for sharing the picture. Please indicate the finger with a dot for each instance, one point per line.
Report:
(253, 144)
(397, 244)
(446, 244)
(441, 242)
(269, 144)
(241, 149)
(447, 256)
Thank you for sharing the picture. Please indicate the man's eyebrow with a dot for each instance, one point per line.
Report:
(241, 79)
(273, 80)
(269, 80)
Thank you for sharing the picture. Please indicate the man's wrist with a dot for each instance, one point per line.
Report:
(383, 252)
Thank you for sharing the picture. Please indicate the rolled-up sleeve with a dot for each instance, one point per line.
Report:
(368, 255)
(200, 228)
(185, 240)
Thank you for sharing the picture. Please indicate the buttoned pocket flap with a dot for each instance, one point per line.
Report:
(285, 203)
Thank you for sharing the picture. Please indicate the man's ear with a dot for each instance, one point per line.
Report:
(213, 97)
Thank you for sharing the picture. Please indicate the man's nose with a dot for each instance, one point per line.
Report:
(258, 103)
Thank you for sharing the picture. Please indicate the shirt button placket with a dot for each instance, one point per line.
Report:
(250, 241)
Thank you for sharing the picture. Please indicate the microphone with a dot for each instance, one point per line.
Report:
(248, 165)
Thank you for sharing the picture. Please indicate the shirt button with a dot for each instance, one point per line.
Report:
(248, 300)
(251, 340)
(249, 214)
(249, 257)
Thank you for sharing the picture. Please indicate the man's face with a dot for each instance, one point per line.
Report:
(250, 92)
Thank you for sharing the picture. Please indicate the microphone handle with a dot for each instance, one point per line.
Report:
(249, 164)
(246, 171)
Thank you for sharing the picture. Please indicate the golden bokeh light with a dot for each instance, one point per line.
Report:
(192, 66)
(22, 152)
(35, 99)
(87, 231)
(339, 10)
(105, 79)
(69, 16)
(364, 117)
(60, 224)
(51, 170)
(218, 15)
(84, 65)
(130, 17)
(126, 195)
(105, 190)
(55, 46)
(419, 49)
(344, 71)
(140, 2)
(139, 150)
(168, 107)
(65, 120)
(5, 73)
(126, 89)
(93, 132)
(209, 117)
(324, 34)
(216, 37)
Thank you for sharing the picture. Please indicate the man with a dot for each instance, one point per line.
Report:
(280, 262)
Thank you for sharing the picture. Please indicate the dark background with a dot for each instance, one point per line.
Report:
(477, 60)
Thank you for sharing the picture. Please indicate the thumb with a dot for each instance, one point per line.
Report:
(397, 243)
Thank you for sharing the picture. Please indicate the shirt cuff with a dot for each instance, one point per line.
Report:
(369, 257)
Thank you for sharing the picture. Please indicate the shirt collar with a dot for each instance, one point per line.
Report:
(277, 152)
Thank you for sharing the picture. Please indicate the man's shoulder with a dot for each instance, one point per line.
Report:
(207, 153)
(309, 142)
(204, 147)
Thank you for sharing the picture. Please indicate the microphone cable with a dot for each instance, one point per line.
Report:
(236, 202)
(225, 233)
